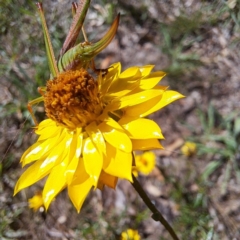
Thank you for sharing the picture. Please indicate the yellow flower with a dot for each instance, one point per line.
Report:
(92, 128)
(189, 149)
(145, 163)
(36, 201)
(130, 234)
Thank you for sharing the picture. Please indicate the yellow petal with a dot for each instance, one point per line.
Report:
(33, 150)
(80, 174)
(130, 73)
(73, 144)
(29, 177)
(115, 135)
(48, 132)
(47, 123)
(39, 149)
(121, 90)
(38, 152)
(142, 108)
(137, 98)
(106, 81)
(71, 169)
(54, 184)
(107, 179)
(152, 80)
(146, 144)
(146, 70)
(57, 178)
(167, 98)
(57, 154)
(93, 161)
(118, 163)
(141, 128)
(162, 89)
(78, 193)
(97, 138)
(127, 81)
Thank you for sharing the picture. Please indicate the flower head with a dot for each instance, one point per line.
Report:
(130, 234)
(92, 128)
(36, 201)
(189, 149)
(145, 162)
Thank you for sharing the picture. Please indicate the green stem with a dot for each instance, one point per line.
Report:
(157, 216)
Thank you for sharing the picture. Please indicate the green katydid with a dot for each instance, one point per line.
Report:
(72, 57)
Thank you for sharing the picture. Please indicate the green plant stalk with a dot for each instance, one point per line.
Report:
(157, 216)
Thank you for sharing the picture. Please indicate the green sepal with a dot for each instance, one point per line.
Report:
(82, 54)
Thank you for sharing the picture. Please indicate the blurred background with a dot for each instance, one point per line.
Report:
(197, 189)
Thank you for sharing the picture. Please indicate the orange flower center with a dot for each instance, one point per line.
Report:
(72, 99)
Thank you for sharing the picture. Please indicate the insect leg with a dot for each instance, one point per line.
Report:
(98, 70)
(84, 34)
(29, 106)
(41, 90)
